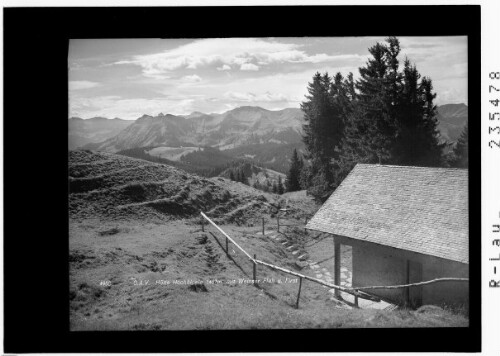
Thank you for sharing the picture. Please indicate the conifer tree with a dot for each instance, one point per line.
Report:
(243, 178)
(231, 175)
(319, 128)
(323, 128)
(461, 150)
(320, 187)
(374, 116)
(293, 176)
(275, 188)
(434, 148)
(301, 163)
(305, 176)
(417, 139)
(410, 121)
(344, 95)
(392, 117)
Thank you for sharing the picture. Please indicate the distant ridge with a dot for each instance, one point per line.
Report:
(452, 119)
(244, 125)
(96, 129)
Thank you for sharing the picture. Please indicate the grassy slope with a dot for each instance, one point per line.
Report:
(115, 187)
(143, 243)
(254, 174)
(180, 251)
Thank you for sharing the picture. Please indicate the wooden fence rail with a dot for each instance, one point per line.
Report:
(279, 223)
(416, 284)
(227, 236)
(264, 220)
(255, 261)
(355, 291)
(316, 280)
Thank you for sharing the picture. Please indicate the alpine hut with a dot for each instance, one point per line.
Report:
(405, 224)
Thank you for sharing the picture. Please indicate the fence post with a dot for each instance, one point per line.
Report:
(278, 218)
(254, 270)
(336, 262)
(298, 295)
(356, 299)
(227, 246)
(407, 289)
(263, 226)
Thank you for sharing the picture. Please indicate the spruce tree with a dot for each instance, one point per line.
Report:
(343, 95)
(231, 175)
(434, 148)
(374, 117)
(461, 150)
(293, 176)
(320, 186)
(391, 117)
(417, 139)
(318, 111)
(243, 178)
(275, 187)
(407, 147)
(305, 175)
(323, 128)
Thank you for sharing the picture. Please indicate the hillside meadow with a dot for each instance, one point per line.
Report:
(139, 259)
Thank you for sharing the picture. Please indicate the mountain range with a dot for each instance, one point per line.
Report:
(241, 126)
(96, 129)
(452, 119)
(263, 136)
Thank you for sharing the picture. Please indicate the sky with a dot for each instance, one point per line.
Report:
(127, 78)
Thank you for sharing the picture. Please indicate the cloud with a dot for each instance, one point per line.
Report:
(224, 67)
(82, 84)
(212, 73)
(239, 96)
(249, 66)
(192, 78)
(226, 52)
(72, 66)
(251, 97)
(451, 91)
(128, 109)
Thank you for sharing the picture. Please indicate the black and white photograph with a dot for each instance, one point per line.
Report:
(250, 177)
(268, 183)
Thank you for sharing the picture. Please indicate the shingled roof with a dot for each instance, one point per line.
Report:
(420, 209)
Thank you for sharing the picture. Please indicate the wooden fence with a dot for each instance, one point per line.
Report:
(279, 221)
(301, 276)
(357, 292)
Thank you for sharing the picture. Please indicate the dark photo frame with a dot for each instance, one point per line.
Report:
(36, 282)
